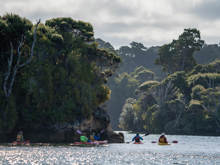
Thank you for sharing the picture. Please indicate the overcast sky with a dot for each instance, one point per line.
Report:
(152, 22)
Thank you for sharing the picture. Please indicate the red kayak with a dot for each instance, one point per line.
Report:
(93, 143)
(138, 142)
(25, 143)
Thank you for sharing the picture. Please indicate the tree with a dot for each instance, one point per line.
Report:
(14, 32)
(12, 70)
(65, 82)
(178, 55)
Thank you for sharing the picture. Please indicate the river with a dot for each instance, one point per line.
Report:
(190, 150)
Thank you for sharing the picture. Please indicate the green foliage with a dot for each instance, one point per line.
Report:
(178, 55)
(64, 82)
(147, 85)
(68, 25)
(13, 26)
(105, 45)
(213, 67)
(207, 80)
(124, 86)
(144, 75)
(126, 120)
(188, 102)
(196, 92)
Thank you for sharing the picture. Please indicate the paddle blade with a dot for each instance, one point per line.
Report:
(146, 134)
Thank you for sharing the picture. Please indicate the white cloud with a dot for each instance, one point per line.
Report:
(153, 22)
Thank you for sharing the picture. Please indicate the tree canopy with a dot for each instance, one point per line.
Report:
(65, 81)
(178, 55)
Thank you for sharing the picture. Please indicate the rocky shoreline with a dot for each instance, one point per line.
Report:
(67, 133)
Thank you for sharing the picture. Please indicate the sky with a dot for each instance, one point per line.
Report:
(151, 22)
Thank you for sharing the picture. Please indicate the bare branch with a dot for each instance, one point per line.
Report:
(21, 43)
(8, 88)
(9, 70)
(32, 48)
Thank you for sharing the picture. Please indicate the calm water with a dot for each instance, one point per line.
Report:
(196, 150)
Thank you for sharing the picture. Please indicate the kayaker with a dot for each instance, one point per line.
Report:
(162, 138)
(91, 137)
(83, 139)
(97, 137)
(137, 138)
(20, 137)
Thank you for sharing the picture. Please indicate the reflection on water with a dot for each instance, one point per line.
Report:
(190, 150)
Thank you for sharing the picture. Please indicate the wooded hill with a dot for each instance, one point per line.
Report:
(177, 94)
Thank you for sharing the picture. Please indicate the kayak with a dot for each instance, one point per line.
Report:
(138, 143)
(25, 143)
(163, 144)
(93, 143)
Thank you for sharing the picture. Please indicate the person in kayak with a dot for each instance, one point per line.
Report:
(137, 138)
(20, 137)
(83, 139)
(91, 137)
(97, 137)
(162, 138)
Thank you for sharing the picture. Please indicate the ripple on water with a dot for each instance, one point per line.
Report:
(148, 153)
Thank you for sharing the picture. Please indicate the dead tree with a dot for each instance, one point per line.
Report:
(12, 70)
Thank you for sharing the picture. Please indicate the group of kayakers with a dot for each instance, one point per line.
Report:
(162, 139)
(83, 138)
(89, 138)
(97, 136)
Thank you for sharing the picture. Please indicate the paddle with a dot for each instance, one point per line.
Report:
(142, 136)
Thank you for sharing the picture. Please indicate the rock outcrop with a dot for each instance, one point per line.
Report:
(99, 123)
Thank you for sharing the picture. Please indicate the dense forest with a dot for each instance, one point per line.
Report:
(51, 74)
(182, 100)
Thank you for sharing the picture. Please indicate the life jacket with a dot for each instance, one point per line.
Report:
(92, 138)
(162, 139)
(19, 138)
(83, 139)
(96, 137)
(137, 139)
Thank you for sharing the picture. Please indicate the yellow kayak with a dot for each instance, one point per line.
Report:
(163, 144)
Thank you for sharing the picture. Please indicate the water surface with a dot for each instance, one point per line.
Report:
(190, 150)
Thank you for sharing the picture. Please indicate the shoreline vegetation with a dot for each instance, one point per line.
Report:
(54, 80)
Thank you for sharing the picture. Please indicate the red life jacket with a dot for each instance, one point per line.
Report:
(137, 139)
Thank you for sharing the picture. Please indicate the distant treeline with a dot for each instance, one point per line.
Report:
(173, 88)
